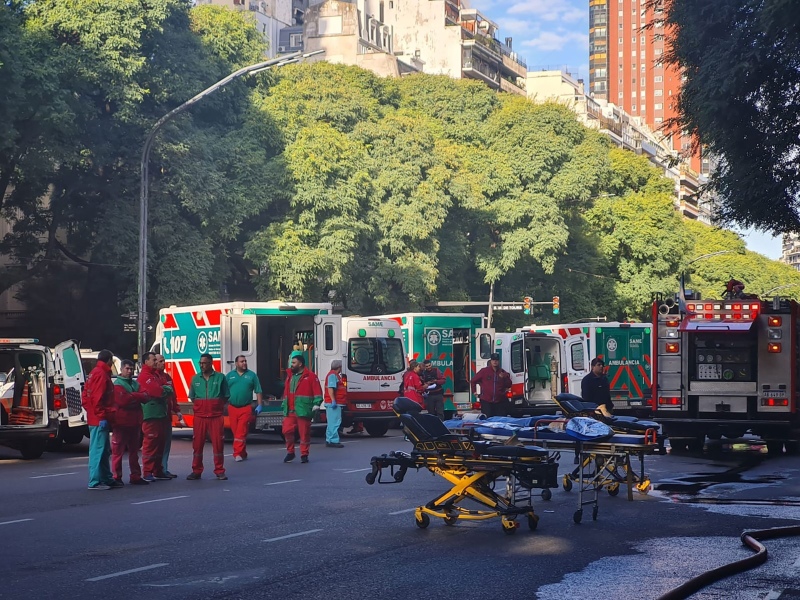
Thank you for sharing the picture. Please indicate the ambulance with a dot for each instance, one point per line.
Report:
(626, 349)
(267, 333)
(458, 344)
(541, 365)
(725, 367)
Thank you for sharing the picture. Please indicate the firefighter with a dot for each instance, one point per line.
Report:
(335, 399)
(127, 424)
(98, 400)
(495, 383)
(242, 384)
(154, 419)
(172, 409)
(302, 395)
(208, 393)
(595, 388)
(412, 383)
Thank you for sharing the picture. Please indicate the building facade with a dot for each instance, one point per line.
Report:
(269, 17)
(626, 66)
(790, 253)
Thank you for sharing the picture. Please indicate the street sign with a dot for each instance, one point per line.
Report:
(131, 316)
(507, 306)
(129, 327)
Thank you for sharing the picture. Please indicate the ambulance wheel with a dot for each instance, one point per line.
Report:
(594, 513)
(567, 483)
(533, 521)
(450, 520)
(33, 449)
(546, 494)
(377, 429)
(613, 489)
(370, 478)
(423, 521)
(73, 436)
(578, 515)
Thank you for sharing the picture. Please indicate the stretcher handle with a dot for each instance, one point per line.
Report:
(651, 436)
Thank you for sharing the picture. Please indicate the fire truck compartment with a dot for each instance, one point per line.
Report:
(733, 327)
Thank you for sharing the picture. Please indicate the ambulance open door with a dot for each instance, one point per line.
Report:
(238, 336)
(68, 368)
(577, 361)
(328, 342)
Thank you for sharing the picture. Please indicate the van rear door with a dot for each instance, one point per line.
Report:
(328, 341)
(238, 335)
(577, 362)
(69, 373)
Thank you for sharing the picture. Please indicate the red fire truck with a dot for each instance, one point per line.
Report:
(725, 367)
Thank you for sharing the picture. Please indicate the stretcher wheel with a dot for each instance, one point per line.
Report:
(370, 478)
(613, 489)
(567, 483)
(398, 477)
(546, 494)
(450, 520)
(423, 521)
(509, 527)
(533, 521)
(594, 514)
(644, 486)
(578, 515)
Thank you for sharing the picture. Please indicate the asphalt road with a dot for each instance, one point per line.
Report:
(317, 530)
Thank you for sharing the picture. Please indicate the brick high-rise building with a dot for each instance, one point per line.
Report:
(626, 51)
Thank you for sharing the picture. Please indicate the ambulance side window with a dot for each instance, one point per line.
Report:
(485, 344)
(516, 357)
(576, 356)
(328, 337)
(245, 337)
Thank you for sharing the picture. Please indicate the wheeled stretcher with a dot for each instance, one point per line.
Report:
(472, 468)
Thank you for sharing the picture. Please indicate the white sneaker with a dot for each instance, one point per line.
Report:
(238, 459)
(101, 486)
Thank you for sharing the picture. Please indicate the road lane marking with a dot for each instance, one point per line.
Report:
(774, 595)
(280, 482)
(292, 535)
(17, 521)
(128, 572)
(400, 512)
(55, 475)
(358, 470)
(160, 500)
(796, 565)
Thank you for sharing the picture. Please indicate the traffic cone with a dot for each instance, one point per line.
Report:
(25, 399)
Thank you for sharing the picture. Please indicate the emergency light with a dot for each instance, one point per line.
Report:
(18, 340)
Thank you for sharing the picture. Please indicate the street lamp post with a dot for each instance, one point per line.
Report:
(148, 146)
(780, 287)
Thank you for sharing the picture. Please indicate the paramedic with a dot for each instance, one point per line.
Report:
(127, 424)
(495, 383)
(302, 395)
(242, 384)
(154, 415)
(98, 400)
(335, 399)
(208, 393)
(412, 383)
(433, 381)
(595, 387)
(172, 409)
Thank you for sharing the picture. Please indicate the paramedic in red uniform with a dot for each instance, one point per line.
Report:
(302, 395)
(335, 400)
(495, 383)
(98, 400)
(154, 419)
(127, 424)
(208, 393)
(242, 384)
(172, 409)
(412, 383)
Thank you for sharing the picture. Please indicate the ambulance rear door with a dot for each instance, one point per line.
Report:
(329, 344)
(575, 364)
(238, 336)
(69, 372)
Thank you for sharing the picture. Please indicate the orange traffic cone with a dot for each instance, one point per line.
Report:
(25, 399)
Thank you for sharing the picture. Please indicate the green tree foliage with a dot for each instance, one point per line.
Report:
(739, 97)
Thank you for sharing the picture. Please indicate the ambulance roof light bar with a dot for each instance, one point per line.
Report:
(18, 340)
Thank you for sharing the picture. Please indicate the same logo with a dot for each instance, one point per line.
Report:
(611, 344)
(202, 342)
(434, 337)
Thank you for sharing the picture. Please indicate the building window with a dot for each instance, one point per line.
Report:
(643, 82)
(641, 55)
(620, 64)
(633, 54)
(659, 51)
(295, 40)
(659, 92)
(633, 108)
(658, 79)
(642, 40)
(620, 25)
(658, 106)
(633, 40)
(620, 41)
(658, 120)
(619, 14)
(620, 53)
(633, 80)
(621, 95)
(644, 68)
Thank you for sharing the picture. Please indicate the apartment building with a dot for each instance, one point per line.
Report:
(790, 251)
(270, 17)
(625, 131)
(440, 37)
(626, 66)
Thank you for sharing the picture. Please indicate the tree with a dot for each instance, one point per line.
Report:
(741, 65)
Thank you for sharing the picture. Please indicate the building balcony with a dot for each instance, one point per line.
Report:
(474, 67)
(507, 85)
(512, 63)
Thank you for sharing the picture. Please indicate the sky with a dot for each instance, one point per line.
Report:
(554, 34)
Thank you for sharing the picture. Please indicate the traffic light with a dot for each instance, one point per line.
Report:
(526, 305)
(556, 308)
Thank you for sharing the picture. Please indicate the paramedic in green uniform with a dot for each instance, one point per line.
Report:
(242, 384)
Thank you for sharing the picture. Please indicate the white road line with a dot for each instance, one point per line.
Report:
(160, 500)
(128, 572)
(400, 512)
(292, 535)
(280, 482)
(774, 595)
(17, 521)
(796, 565)
(358, 470)
(56, 475)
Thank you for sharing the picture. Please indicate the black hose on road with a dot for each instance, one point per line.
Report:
(749, 539)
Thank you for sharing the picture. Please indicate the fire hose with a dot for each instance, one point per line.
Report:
(751, 539)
